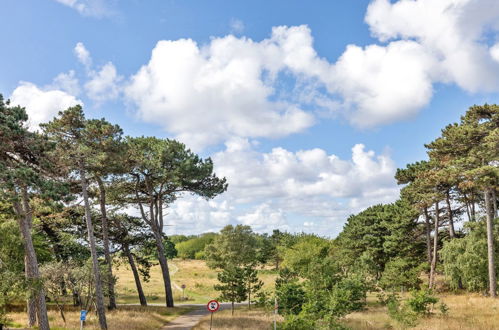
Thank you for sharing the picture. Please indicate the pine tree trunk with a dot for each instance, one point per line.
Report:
(494, 202)
(95, 262)
(105, 241)
(131, 261)
(428, 235)
(490, 242)
(233, 308)
(30, 302)
(164, 268)
(452, 232)
(435, 248)
(32, 271)
(473, 209)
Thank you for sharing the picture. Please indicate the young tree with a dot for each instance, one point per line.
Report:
(74, 153)
(233, 285)
(160, 171)
(253, 284)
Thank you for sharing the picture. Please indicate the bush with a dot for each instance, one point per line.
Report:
(298, 322)
(465, 259)
(422, 302)
(290, 293)
(347, 296)
(401, 313)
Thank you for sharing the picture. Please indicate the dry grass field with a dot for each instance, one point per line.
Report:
(197, 277)
(242, 319)
(127, 317)
(466, 312)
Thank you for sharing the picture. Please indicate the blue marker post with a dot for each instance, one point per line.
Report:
(83, 317)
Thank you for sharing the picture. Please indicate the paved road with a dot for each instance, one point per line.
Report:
(189, 320)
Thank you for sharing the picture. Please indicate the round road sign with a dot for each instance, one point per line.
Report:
(213, 306)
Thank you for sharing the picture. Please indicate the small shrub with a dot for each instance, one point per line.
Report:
(444, 309)
(422, 302)
(264, 300)
(298, 322)
(401, 313)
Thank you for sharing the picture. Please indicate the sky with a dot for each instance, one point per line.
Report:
(306, 107)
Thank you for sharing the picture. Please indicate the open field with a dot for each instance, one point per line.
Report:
(242, 319)
(198, 278)
(127, 317)
(467, 311)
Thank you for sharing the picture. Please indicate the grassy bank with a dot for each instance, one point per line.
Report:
(126, 317)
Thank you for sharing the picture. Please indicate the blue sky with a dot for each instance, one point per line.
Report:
(307, 107)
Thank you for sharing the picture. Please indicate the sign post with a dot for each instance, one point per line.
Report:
(83, 317)
(183, 289)
(276, 310)
(212, 307)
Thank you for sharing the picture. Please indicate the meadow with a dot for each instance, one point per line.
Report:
(194, 274)
(466, 311)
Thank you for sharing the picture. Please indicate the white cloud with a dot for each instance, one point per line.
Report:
(94, 8)
(83, 55)
(264, 218)
(66, 82)
(494, 52)
(104, 84)
(236, 26)
(454, 32)
(206, 95)
(255, 177)
(284, 189)
(276, 86)
(384, 84)
(41, 104)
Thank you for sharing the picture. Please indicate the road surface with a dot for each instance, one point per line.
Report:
(189, 320)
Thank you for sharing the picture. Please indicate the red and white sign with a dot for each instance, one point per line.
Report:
(213, 306)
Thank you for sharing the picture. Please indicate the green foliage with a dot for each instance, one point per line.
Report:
(373, 237)
(401, 312)
(298, 322)
(348, 295)
(420, 304)
(289, 292)
(465, 259)
(233, 284)
(444, 309)
(302, 254)
(235, 246)
(253, 284)
(401, 273)
(193, 248)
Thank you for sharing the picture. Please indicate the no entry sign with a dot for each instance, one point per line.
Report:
(213, 306)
